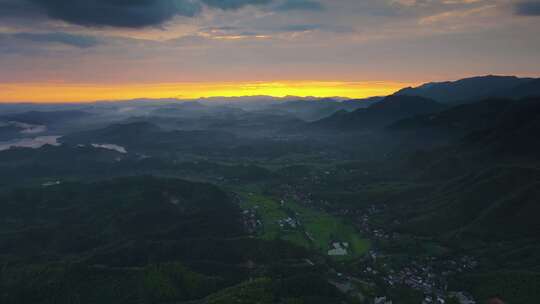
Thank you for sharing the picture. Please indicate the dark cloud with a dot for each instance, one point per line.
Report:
(528, 8)
(13, 8)
(291, 5)
(233, 4)
(116, 13)
(36, 44)
(80, 41)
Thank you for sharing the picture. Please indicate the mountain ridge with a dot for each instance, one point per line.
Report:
(467, 89)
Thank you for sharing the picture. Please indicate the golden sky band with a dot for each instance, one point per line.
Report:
(67, 92)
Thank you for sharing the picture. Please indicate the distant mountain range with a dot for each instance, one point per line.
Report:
(317, 109)
(472, 89)
(145, 135)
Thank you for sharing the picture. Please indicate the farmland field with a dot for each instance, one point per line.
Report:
(312, 229)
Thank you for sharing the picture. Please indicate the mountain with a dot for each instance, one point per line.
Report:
(146, 137)
(128, 133)
(498, 124)
(468, 89)
(514, 132)
(363, 102)
(452, 124)
(141, 207)
(491, 173)
(194, 109)
(9, 132)
(380, 114)
(46, 117)
(184, 108)
(257, 123)
(496, 203)
(312, 110)
(527, 89)
(464, 117)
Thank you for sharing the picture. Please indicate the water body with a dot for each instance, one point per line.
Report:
(112, 147)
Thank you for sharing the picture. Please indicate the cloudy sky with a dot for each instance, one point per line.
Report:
(56, 50)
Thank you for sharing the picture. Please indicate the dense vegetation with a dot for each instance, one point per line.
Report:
(128, 240)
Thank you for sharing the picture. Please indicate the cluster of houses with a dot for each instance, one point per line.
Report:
(419, 277)
(433, 299)
(288, 222)
(373, 233)
(430, 281)
(427, 275)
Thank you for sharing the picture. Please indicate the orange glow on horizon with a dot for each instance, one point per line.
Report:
(67, 92)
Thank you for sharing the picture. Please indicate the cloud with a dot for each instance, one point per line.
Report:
(116, 13)
(233, 4)
(36, 45)
(528, 8)
(13, 8)
(301, 27)
(308, 5)
(80, 41)
(316, 27)
(268, 31)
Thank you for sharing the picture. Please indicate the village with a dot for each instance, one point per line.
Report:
(425, 274)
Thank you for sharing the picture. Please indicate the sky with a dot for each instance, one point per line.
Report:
(85, 50)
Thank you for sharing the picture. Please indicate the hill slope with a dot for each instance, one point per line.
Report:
(130, 240)
(380, 114)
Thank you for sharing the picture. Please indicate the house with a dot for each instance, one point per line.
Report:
(49, 184)
(338, 250)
